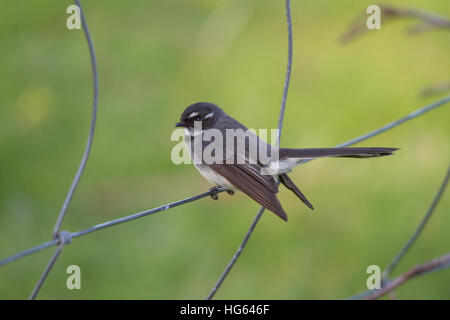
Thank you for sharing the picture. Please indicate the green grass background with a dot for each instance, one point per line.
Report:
(155, 58)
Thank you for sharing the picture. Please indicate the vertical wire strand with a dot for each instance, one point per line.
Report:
(90, 139)
(419, 229)
(84, 159)
(280, 126)
(410, 242)
(287, 79)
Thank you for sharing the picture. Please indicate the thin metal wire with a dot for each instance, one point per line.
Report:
(90, 139)
(280, 127)
(236, 255)
(419, 229)
(84, 159)
(287, 79)
(280, 124)
(76, 234)
(29, 251)
(393, 124)
(412, 239)
(46, 272)
(144, 213)
(107, 224)
(366, 136)
(57, 236)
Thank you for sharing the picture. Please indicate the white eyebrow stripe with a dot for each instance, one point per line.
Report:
(209, 115)
(193, 114)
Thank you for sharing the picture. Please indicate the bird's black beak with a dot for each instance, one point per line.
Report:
(179, 124)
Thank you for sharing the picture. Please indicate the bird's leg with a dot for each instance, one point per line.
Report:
(214, 194)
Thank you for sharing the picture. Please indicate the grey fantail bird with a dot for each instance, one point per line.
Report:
(256, 179)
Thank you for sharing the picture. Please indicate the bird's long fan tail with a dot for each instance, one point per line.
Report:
(288, 183)
(335, 152)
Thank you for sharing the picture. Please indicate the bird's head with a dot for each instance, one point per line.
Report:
(205, 112)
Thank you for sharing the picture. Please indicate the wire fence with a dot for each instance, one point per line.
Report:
(63, 238)
(440, 263)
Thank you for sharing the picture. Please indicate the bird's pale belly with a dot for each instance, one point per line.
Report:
(210, 175)
(213, 177)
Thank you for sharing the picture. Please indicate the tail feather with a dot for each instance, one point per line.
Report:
(287, 182)
(335, 152)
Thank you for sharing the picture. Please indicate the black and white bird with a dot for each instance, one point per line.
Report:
(256, 178)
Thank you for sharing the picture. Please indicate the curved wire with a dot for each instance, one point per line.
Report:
(90, 139)
(84, 159)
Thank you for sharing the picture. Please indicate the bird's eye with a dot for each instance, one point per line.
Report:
(198, 118)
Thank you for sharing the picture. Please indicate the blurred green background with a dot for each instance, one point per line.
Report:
(155, 58)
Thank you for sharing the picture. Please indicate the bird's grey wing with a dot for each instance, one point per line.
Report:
(248, 179)
(242, 145)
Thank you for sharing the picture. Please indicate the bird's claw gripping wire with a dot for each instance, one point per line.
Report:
(214, 192)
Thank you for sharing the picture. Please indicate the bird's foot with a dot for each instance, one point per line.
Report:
(230, 192)
(214, 193)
